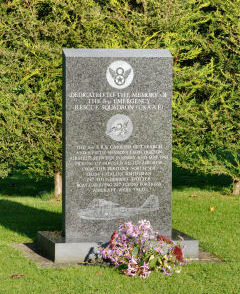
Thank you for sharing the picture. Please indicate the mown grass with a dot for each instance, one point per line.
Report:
(218, 232)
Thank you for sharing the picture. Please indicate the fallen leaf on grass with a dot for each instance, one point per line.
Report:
(193, 195)
(16, 276)
(56, 199)
(99, 273)
(212, 208)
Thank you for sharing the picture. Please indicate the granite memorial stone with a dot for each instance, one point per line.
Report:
(117, 141)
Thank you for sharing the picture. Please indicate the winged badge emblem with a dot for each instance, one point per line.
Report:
(119, 75)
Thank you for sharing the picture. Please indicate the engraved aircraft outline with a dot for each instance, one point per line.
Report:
(101, 209)
(119, 76)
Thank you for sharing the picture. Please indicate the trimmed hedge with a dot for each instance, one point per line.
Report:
(203, 37)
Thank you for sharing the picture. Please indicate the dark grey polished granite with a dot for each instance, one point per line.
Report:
(117, 140)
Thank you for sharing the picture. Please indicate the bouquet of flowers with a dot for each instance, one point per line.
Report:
(138, 250)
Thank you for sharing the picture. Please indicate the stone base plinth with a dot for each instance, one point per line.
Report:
(53, 246)
(191, 246)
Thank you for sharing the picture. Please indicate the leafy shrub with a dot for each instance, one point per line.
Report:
(203, 37)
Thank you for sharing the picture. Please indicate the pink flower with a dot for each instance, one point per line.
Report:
(132, 267)
(131, 271)
(144, 271)
(144, 225)
(106, 253)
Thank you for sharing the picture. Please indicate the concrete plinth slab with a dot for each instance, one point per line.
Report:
(191, 246)
(53, 246)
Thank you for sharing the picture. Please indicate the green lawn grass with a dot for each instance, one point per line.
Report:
(21, 216)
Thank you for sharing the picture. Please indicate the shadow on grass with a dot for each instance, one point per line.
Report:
(183, 178)
(27, 220)
(20, 185)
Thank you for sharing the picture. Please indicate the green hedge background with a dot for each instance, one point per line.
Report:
(203, 37)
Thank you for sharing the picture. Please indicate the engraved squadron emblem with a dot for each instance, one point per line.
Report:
(119, 127)
(119, 74)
